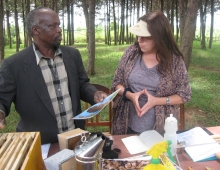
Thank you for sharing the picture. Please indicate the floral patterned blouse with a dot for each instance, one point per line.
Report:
(169, 84)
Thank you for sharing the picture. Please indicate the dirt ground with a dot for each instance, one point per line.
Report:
(193, 118)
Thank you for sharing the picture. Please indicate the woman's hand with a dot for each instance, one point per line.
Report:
(151, 102)
(134, 98)
(99, 96)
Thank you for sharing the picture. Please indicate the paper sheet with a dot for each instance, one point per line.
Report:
(45, 150)
(199, 145)
(95, 109)
(134, 144)
(143, 142)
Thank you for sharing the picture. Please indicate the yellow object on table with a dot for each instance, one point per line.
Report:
(155, 151)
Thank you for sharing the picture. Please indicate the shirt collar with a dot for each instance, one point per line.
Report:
(39, 56)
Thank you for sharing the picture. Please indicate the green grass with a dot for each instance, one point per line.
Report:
(204, 72)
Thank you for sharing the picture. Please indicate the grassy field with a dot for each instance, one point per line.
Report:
(204, 71)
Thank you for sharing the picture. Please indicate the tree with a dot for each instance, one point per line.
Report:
(72, 23)
(177, 22)
(8, 24)
(86, 14)
(188, 15)
(138, 8)
(69, 32)
(127, 32)
(122, 26)
(147, 6)
(115, 26)
(63, 26)
(2, 52)
(91, 63)
(108, 23)
(212, 24)
(16, 26)
(203, 23)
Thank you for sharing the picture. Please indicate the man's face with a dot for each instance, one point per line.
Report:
(49, 31)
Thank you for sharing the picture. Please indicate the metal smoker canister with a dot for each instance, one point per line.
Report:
(88, 154)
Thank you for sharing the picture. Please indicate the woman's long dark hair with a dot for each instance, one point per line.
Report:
(160, 29)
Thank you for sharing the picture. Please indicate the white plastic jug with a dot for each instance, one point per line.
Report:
(170, 128)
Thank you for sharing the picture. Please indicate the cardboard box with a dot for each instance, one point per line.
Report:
(21, 151)
(63, 160)
(70, 138)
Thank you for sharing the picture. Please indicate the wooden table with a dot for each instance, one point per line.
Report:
(184, 159)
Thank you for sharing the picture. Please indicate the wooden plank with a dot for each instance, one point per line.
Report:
(23, 152)
(3, 139)
(8, 153)
(6, 144)
(16, 149)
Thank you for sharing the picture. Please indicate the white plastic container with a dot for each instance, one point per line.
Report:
(170, 128)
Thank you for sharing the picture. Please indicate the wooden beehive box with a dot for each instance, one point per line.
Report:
(20, 151)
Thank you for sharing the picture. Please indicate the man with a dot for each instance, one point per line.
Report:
(45, 81)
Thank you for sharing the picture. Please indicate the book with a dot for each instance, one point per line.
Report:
(143, 142)
(198, 144)
(95, 109)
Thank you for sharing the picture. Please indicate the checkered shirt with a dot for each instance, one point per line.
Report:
(56, 80)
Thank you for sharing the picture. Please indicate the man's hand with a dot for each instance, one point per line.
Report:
(99, 96)
(2, 120)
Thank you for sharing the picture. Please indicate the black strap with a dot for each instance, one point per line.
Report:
(124, 93)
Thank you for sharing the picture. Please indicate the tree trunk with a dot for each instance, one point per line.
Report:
(203, 24)
(177, 22)
(161, 5)
(168, 9)
(138, 8)
(86, 14)
(55, 6)
(131, 36)
(72, 24)
(23, 17)
(122, 23)
(147, 6)
(188, 15)
(106, 18)
(2, 51)
(16, 27)
(212, 24)
(115, 25)
(52, 4)
(44, 2)
(118, 27)
(91, 60)
(8, 26)
(63, 14)
(108, 23)
(172, 16)
(68, 24)
(29, 38)
(151, 5)
(127, 32)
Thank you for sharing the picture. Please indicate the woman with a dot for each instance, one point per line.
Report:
(152, 77)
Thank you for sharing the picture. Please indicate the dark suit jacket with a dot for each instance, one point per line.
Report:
(22, 82)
